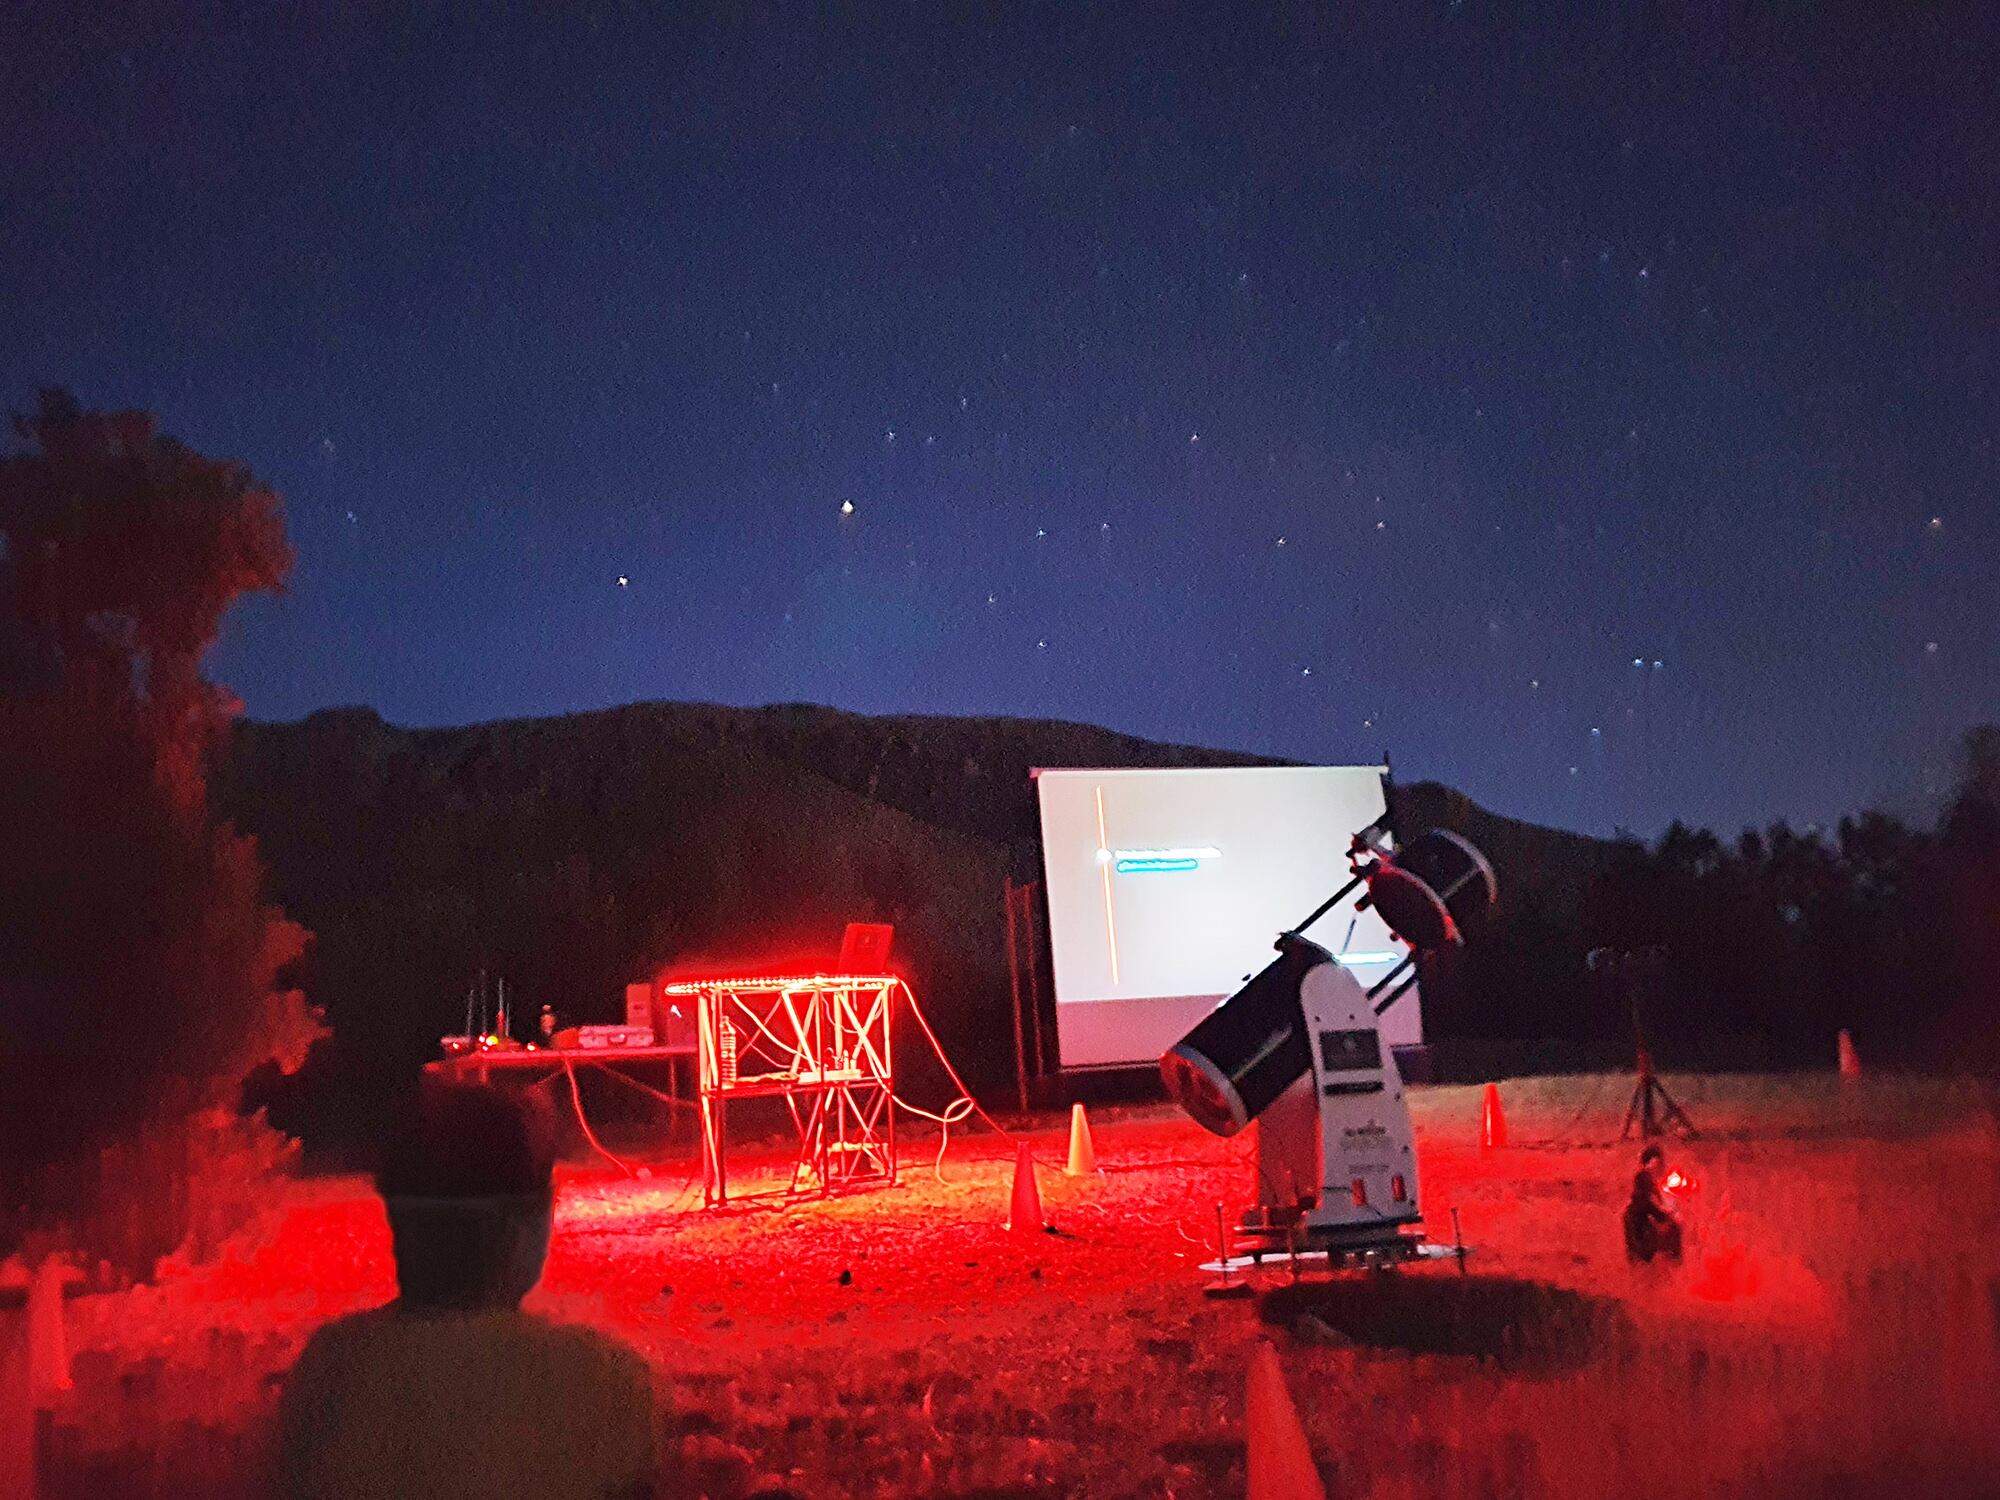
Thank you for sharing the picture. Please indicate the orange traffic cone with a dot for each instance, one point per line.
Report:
(1025, 1215)
(1492, 1119)
(1850, 1063)
(1281, 1461)
(1082, 1156)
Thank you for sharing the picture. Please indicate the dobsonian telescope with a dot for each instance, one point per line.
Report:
(1298, 1049)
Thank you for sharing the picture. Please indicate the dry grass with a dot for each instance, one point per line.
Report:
(1836, 1329)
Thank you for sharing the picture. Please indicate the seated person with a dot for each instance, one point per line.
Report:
(452, 1390)
(1650, 1226)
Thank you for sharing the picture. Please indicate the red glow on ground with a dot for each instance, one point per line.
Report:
(899, 1341)
(882, 1258)
(1727, 1274)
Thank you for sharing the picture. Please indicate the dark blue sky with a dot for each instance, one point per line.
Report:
(1350, 379)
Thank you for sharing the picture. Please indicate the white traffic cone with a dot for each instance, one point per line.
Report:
(1082, 1155)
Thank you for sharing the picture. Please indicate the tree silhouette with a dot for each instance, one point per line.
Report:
(138, 959)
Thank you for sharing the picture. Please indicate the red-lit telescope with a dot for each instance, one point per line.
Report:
(1297, 1049)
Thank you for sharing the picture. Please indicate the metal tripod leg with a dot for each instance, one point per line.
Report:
(1655, 1111)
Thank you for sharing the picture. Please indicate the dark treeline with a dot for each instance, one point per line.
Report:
(571, 855)
(1764, 946)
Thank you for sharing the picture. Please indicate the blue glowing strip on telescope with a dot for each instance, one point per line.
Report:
(1356, 960)
(1154, 866)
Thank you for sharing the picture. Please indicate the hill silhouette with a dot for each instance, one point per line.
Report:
(572, 854)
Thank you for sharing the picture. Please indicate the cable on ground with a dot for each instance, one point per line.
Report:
(959, 1108)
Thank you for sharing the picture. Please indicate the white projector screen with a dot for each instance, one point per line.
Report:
(1167, 888)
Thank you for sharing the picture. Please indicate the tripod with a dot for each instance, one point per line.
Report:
(1653, 1109)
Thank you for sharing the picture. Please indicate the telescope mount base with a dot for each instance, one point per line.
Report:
(1269, 1235)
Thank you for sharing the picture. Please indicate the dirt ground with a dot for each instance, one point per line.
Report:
(1835, 1329)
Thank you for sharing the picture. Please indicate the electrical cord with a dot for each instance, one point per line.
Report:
(956, 1111)
(671, 1100)
(576, 1099)
(964, 1093)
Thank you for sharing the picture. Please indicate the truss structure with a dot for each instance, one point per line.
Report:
(821, 1044)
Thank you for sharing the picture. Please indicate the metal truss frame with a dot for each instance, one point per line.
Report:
(822, 1044)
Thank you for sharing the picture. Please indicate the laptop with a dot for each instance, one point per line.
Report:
(864, 948)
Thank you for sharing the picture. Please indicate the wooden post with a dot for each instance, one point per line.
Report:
(1030, 926)
(1014, 990)
(1033, 989)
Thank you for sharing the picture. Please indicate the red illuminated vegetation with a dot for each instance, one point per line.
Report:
(1834, 1330)
(142, 971)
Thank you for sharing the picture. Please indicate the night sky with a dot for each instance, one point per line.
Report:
(1597, 415)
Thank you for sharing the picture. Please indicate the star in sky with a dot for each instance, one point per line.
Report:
(1603, 360)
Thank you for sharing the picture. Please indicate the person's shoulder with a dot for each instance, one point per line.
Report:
(580, 1344)
(335, 1358)
(333, 1340)
(600, 1389)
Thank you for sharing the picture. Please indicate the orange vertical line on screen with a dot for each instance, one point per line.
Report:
(1104, 868)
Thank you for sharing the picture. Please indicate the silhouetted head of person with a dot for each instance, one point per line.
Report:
(1653, 1160)
(468, 1178)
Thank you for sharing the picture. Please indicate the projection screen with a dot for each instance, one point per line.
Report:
(1166, 889)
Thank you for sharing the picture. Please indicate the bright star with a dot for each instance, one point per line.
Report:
(847, 507)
